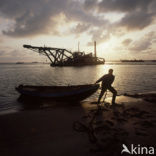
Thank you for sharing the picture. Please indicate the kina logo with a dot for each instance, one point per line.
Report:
(138, 149)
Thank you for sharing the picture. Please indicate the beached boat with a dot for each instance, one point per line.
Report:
(59, 93)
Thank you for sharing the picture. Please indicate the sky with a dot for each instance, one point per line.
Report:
(122, 29)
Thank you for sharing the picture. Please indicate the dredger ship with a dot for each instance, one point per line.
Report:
(64, 57)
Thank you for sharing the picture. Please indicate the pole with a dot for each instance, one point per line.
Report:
(78, 46)
(94, 48)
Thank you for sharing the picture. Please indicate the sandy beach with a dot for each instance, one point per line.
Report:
(50, 131)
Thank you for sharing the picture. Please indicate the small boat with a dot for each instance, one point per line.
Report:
(58, 93)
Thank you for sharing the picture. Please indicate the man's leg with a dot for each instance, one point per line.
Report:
(114, 94)
(101, 94)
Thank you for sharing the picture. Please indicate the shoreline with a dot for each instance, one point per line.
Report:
(49, 131)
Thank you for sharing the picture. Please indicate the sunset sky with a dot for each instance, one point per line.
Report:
(123, 29)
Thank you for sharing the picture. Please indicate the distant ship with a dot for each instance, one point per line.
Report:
(132, 60)
(19, 62)
(64, 57)
(153, 60)
(34, 62)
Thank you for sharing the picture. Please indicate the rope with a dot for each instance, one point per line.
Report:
(89, 128)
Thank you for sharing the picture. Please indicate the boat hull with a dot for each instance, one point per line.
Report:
(58, 93)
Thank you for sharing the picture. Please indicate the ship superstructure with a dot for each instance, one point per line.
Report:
(64, 57)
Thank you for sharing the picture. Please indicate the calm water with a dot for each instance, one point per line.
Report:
(129, 78)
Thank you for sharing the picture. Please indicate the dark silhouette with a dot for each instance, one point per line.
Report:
(107, 81)
(63, 57)
(58, 93)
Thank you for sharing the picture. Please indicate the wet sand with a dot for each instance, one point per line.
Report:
(50, 131)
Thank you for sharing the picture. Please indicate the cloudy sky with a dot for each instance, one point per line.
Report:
(123, 29)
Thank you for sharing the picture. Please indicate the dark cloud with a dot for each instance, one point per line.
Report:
(144, 44)
(126, 42)
(90, 4)
(34, 17)
(151, 7)
(80, 28)
(118, 5)
(77, 12)
(138, 14)
(135, 20)
(31, 17)
(99, 36)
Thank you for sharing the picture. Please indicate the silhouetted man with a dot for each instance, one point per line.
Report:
(107, 81)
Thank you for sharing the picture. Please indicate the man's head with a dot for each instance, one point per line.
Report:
(110, 71)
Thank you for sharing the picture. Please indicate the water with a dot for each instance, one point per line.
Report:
(129, 78)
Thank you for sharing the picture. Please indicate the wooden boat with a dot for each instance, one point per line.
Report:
(61, 93)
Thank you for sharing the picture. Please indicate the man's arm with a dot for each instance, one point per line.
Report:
(100, 79)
